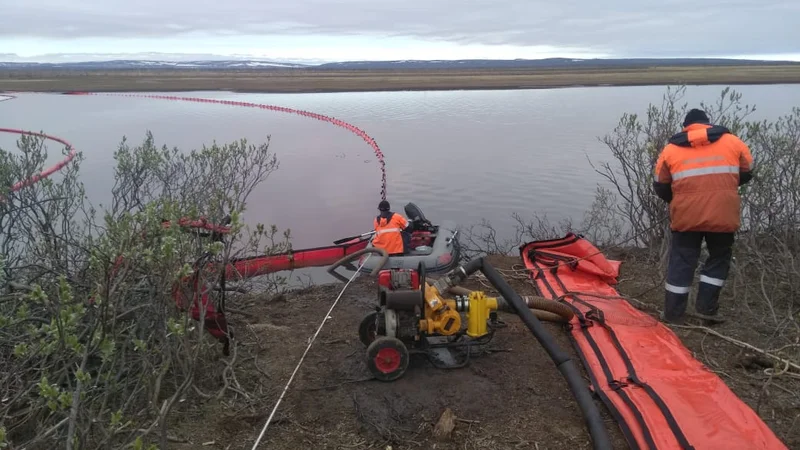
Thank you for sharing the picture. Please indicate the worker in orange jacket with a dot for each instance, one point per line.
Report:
(698, 173)
(392, 230)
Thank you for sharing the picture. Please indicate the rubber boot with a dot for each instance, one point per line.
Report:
(674, 307)
(707, 304)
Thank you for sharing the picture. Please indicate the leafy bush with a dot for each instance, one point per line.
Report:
(94, 352)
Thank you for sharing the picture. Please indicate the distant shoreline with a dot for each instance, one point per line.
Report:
(381, 80)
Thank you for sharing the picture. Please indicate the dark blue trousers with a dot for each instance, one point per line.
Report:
(683, 256)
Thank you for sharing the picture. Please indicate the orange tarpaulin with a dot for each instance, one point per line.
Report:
(659, 394)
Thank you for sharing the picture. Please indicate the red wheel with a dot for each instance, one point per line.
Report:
(387, 358)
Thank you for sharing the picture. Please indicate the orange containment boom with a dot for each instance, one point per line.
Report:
(239, 269)
(659, 394)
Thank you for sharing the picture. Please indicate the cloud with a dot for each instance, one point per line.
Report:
(619, 27)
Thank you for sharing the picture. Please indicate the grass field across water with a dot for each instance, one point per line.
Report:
(303, 80)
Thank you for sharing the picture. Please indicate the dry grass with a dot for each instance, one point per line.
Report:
(385, 80)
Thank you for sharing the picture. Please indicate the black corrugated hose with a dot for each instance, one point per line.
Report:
(562, 360)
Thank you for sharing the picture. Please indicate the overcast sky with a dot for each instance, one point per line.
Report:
(403, 29)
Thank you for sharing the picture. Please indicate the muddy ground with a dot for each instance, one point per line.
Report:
(507, 398)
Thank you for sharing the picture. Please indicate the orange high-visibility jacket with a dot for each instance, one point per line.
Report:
(703, 166)
(387, 233)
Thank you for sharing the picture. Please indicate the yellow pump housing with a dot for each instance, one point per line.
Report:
(479, 308)
(441, 316)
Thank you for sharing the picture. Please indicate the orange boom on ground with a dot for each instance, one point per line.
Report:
(661, 396)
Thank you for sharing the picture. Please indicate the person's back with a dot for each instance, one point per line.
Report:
(698, 173)
(705, 164)
(389, 227)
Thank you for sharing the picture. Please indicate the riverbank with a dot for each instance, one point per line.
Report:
(511, 397)
(310, 81)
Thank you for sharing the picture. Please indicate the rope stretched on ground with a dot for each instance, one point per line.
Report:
(302, 358)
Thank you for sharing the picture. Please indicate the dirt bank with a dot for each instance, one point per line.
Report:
(511, 397)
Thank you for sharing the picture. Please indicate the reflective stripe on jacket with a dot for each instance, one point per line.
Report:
(387, 233)
(703, 166)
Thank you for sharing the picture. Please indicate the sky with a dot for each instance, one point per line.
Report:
(339, 30)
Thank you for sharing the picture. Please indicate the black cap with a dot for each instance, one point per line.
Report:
(383, 205)
(695, 116)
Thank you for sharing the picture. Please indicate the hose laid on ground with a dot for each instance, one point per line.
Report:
(563, 362)
(542, 308)
(352, 257)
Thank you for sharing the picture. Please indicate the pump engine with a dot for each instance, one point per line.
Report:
(413, 317)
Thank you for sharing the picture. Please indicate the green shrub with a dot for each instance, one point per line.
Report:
(93, 350)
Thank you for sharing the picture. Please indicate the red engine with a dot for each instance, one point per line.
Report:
(394, 279)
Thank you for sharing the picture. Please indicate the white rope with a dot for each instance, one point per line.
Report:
(302, 358)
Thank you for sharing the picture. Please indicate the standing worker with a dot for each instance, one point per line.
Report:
(391, 230)
(698, 173)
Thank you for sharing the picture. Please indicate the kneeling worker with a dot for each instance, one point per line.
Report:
(390, 230)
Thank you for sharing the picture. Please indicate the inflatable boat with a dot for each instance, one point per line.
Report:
(434, 245)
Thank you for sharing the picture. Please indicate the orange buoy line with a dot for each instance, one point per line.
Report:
(332, 120)
(50, 170)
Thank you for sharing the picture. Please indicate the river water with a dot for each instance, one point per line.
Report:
(459, 155)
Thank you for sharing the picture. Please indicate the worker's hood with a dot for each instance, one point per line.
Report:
(698, 134)
(385, 215)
